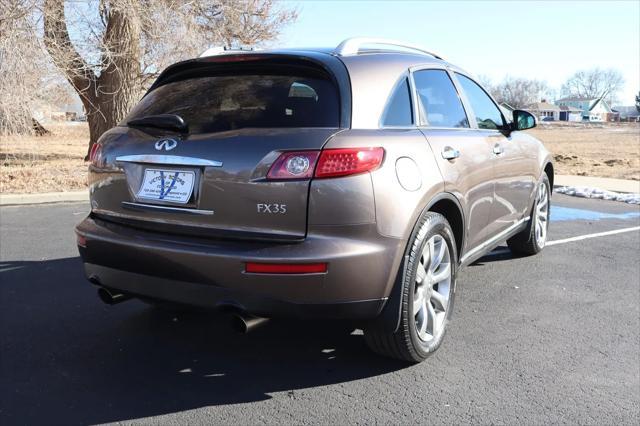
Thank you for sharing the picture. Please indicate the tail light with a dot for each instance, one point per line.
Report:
(349, 161)
(294, 165)
(95, 155)
(327, 163)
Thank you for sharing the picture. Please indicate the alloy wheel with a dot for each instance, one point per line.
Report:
(542, 215)
(432, 286)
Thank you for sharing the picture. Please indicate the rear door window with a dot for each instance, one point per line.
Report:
(440, 105)
(220, 103)
(487, 113)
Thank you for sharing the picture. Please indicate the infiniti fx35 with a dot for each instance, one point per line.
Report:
(349, 183)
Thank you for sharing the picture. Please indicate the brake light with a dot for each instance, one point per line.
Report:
(348, 161)
(285, 268)
(95, 155)
(330, 163)
(294, 165)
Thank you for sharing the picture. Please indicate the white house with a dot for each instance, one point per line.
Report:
(570, 113)
(545, 111)
(593, 109)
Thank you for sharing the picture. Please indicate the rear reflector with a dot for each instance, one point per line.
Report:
(348, 161)
(285, 268)
(81, 241)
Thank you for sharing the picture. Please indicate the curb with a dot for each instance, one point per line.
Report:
(44, 198)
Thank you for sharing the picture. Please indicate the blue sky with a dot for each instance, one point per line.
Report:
(546, 40)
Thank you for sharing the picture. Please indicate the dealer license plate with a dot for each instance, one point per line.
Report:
(175, 186)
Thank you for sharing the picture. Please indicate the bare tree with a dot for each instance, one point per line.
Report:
(119, 46)
(519, 92)
(638, 102)
(594, 83)
(22, 66)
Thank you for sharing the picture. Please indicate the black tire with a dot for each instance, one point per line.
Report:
(525, 242)
(405, 344)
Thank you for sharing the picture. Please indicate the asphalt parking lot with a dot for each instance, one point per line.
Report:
(551, 338)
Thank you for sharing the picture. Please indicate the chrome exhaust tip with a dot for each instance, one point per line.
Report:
(110, 297)
(244, 323)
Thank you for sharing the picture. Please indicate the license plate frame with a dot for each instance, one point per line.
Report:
(165, 185)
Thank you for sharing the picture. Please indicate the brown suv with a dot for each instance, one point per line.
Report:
(348, 183)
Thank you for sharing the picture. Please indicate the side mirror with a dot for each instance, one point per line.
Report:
(523, 120)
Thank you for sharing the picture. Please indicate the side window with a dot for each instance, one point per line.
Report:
(399, 111)
(440, 105)
(487, 113)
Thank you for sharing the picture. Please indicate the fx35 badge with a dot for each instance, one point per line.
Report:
(272, 208)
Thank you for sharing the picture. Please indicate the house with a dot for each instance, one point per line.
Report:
(545, 111)
(627, 113)
(570, 113)
(593, 109)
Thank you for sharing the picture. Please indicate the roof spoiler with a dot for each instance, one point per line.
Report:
(226, 50)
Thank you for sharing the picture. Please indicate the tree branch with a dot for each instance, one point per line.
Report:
(62, 51)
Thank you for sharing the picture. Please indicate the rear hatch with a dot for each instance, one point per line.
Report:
(211, 180)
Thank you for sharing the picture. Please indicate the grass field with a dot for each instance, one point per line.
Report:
(55, 162)
(49, 163)
(605, 151)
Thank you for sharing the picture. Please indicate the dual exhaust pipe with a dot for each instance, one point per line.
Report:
(240, 321)
(111, 297)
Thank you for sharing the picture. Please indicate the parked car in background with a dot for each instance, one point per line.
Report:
(349, 183)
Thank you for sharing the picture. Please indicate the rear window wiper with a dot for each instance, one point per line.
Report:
(161, 121)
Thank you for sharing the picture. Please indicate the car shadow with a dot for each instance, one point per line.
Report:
(499, 254)
(68, 357)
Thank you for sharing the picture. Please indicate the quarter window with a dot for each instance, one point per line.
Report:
(399, 111)
(488, 115)
(440, 105)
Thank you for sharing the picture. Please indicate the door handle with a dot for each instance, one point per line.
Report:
(497, 149)
(449, 153)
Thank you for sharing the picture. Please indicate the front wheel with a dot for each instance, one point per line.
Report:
(427, 294)
(534, 237)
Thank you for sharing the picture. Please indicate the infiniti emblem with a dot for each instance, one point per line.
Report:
(166, 144)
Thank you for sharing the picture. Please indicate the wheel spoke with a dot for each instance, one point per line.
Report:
(442, 274)
(422, 320)
(431, 319)
(439, 301)
(438, 255)
(432, 251)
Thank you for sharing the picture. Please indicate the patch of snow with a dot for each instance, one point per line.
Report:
(597, 193)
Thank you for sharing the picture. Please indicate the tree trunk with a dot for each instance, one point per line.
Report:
(109, 96)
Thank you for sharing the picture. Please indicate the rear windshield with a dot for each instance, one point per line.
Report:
(221, 103)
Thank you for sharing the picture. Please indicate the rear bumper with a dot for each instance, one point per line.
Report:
(361, 270)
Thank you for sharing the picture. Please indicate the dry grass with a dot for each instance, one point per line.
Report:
(49, 163)
(611, 150)
(55, 162)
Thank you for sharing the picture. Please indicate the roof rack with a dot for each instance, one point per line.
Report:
(352, 46)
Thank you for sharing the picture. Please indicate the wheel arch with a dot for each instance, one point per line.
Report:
(447, 205)
(548, 169)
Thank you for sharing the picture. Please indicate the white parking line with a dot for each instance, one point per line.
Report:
(500, 251)
(597, 234)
